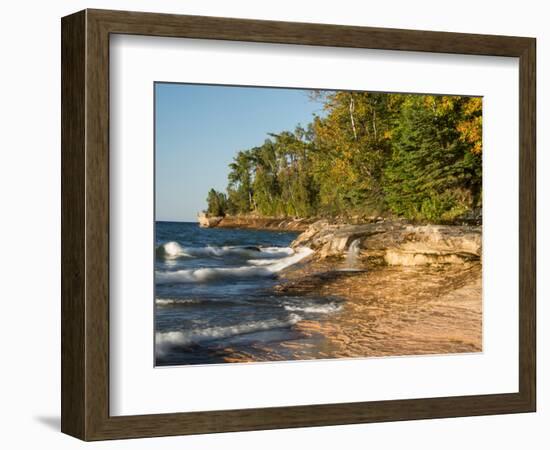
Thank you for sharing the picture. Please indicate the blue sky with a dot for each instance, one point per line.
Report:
(199, 128)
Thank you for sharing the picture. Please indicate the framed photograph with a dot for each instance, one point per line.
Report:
(273, 225)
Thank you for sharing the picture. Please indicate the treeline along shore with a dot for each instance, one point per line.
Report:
(415, 157)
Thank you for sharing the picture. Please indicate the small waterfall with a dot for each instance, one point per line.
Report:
(353, 254)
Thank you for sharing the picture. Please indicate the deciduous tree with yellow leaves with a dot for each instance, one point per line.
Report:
(405, 155)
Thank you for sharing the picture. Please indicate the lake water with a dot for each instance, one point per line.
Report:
(214, 296)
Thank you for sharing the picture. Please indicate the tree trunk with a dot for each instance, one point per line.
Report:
(374, 124)
(351, 109)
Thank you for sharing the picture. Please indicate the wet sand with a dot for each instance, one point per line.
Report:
(383, 311)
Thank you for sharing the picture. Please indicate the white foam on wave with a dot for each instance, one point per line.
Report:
(259, 262)
(168, 339)
(223, 273)
(298, 254)
(210, 274)
(316, 309)
(175, 301)
(277, 251)
(173, 249)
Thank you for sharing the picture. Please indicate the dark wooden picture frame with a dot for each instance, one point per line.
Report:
(85, 224)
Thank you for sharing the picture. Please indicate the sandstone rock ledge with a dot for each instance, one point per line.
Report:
(394, 242)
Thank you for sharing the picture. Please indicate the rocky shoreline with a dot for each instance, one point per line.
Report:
(390, 242)
(255, 222)
(413, 290)
(394, 242)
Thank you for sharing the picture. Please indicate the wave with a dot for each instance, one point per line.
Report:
(176, 301)
(316, 309)
(172, 250)
(206, 274)
(168, 339)
(211, 302)
(211, 274)
(259, 262)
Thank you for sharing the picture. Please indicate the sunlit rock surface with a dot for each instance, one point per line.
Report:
(396, 243)
(206, 221)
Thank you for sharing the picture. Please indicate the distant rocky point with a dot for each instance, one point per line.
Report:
(206, 221)
(254, 222)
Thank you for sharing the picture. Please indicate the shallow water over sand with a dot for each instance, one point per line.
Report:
(386, 311)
